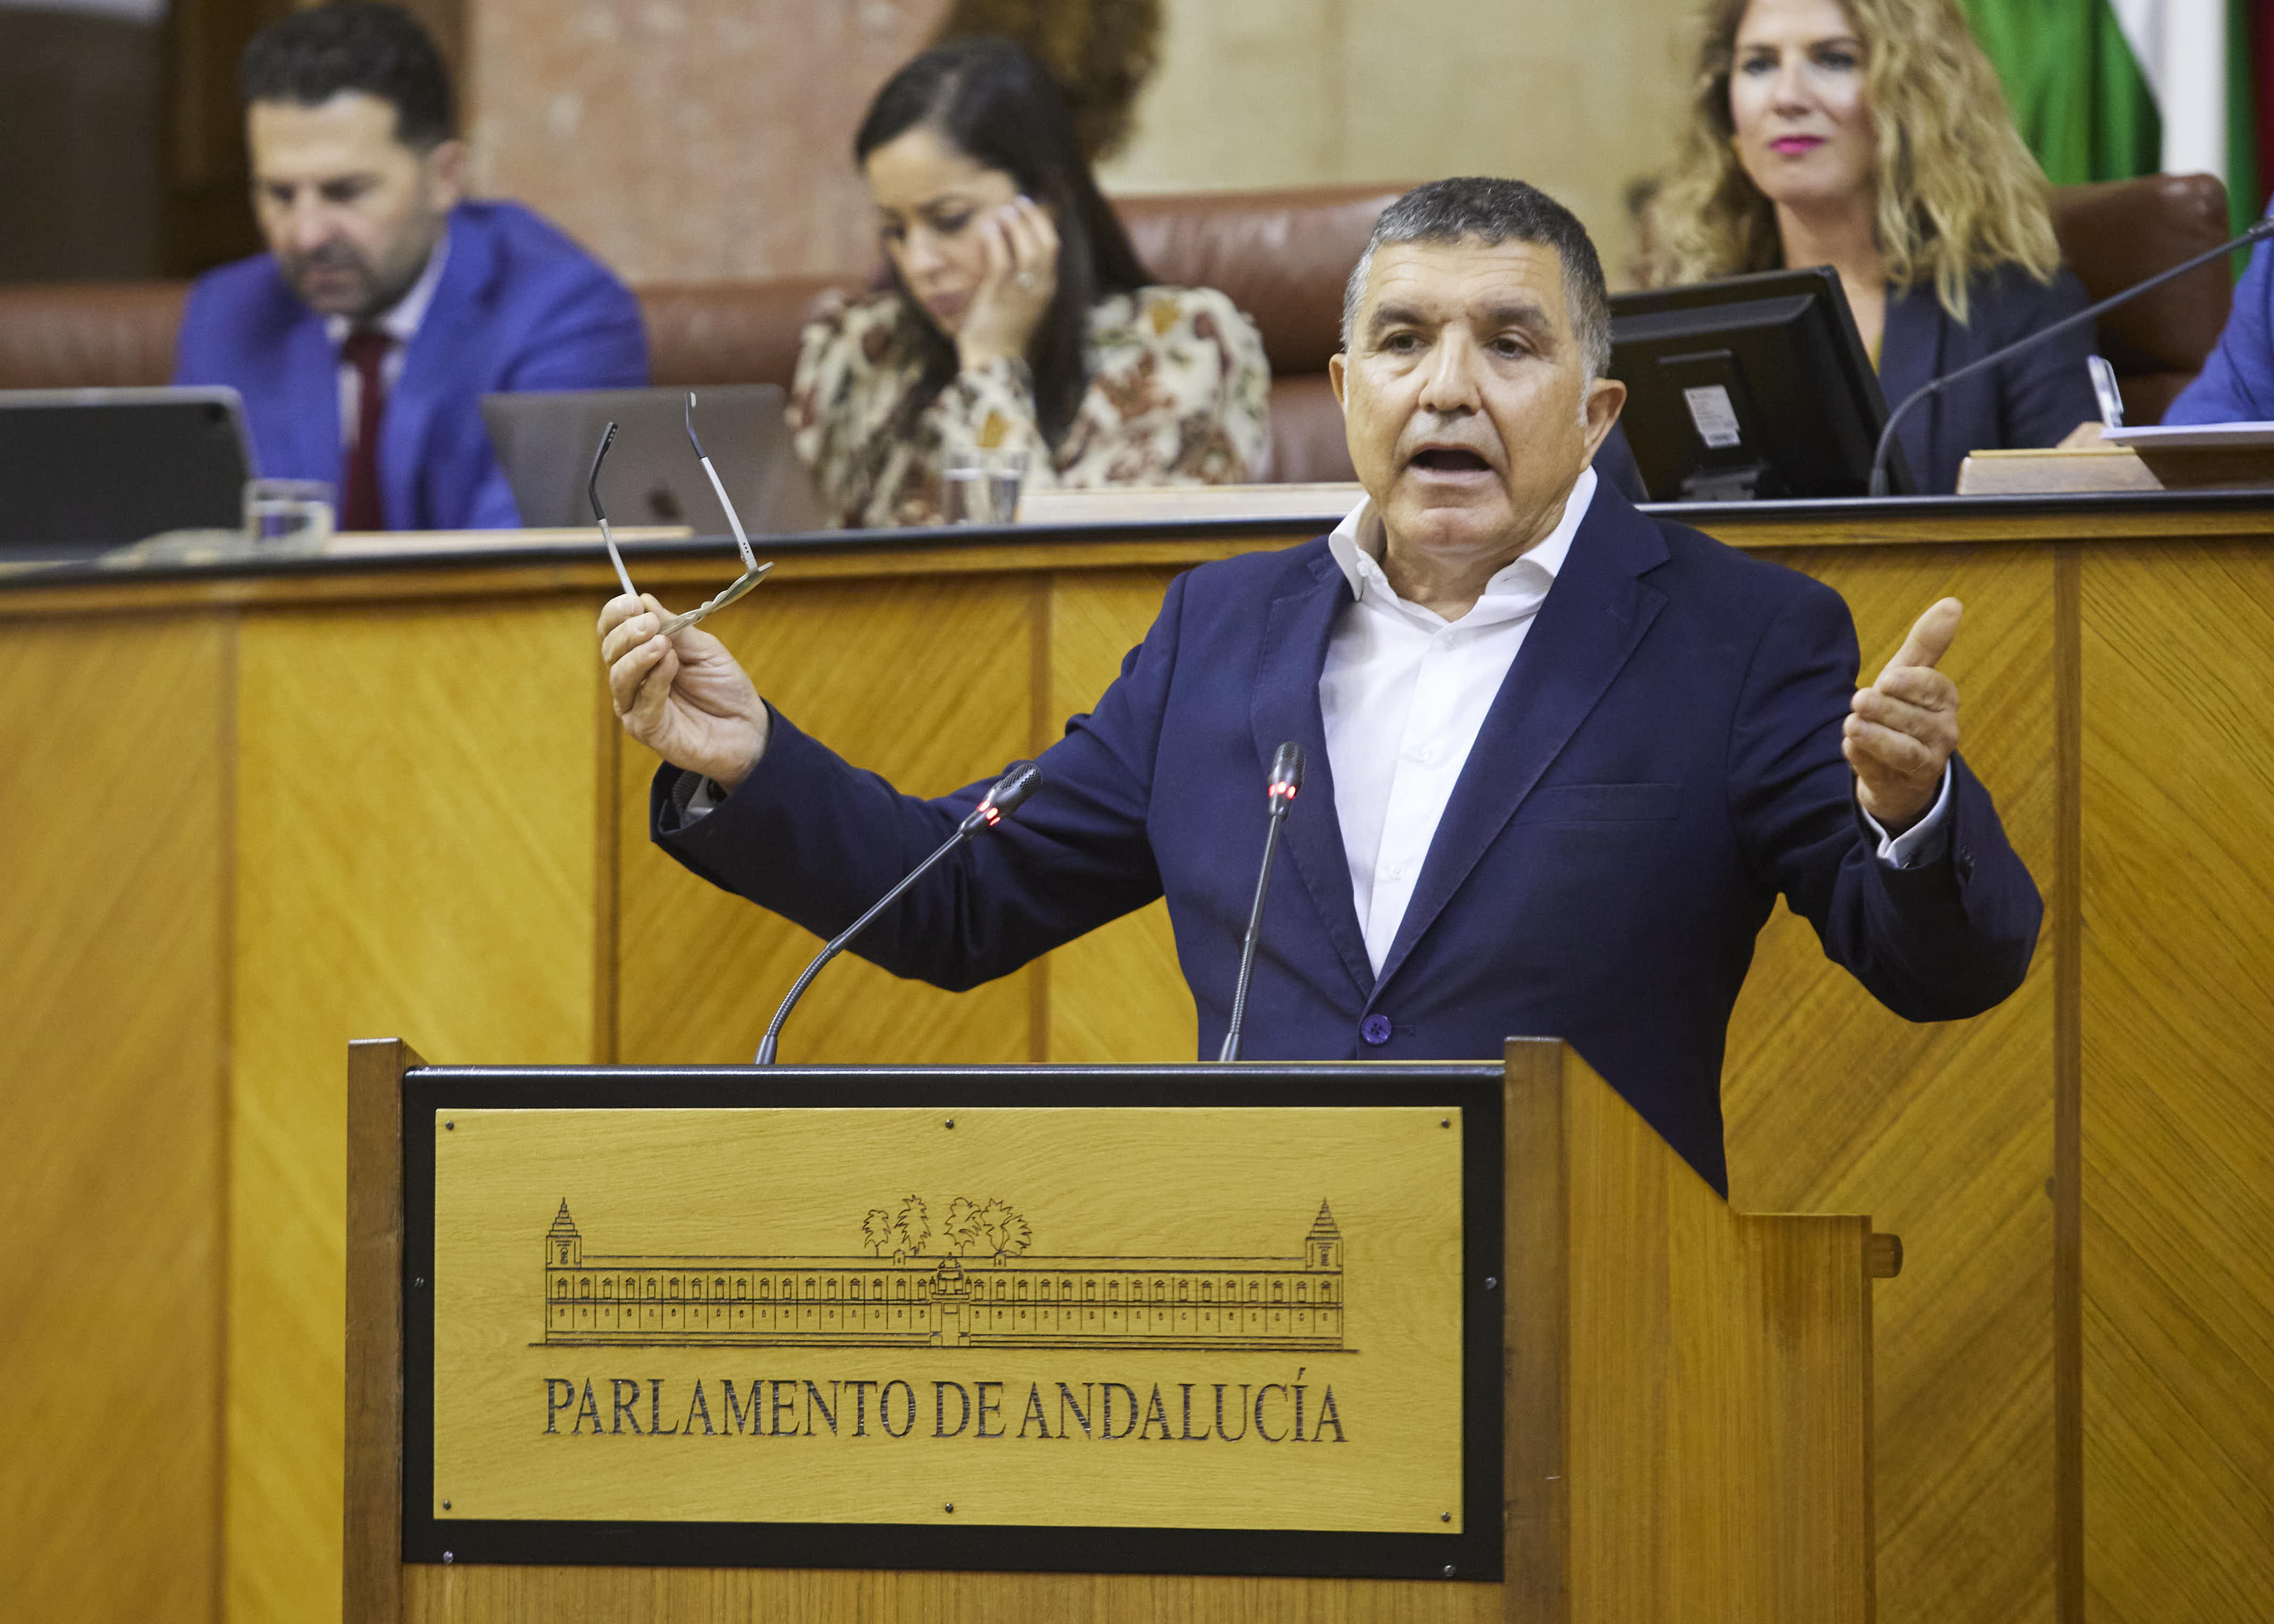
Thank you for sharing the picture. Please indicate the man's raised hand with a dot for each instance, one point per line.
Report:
(683, 696)
(1902, 731)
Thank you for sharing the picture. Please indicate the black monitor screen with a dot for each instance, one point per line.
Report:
(84, 468)
(1747, 387)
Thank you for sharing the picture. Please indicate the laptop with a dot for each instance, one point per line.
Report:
(85, 469)
(544, 443)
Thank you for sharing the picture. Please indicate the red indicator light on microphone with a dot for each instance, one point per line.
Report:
(1286, 772)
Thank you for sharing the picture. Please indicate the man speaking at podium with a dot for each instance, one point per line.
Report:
(1565, 756)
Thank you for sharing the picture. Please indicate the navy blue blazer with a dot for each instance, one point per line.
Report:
(1661, 762)
(519, 306)
(2032, 400)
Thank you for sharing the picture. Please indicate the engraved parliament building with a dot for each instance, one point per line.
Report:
(1249, 1303)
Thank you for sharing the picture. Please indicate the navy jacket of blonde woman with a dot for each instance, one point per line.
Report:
(2032, 400)
(1661, 762)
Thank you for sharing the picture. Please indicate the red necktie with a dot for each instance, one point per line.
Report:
(366, 349)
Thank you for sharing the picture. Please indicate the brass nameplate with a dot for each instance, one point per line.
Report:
(1227, 1318)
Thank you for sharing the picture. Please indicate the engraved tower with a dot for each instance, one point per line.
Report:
(1323, 1247)
(564, 1248)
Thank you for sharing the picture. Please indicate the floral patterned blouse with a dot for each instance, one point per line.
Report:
(1179, 394)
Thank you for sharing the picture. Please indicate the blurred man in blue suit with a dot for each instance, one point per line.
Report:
(2237, 383)
(388, 304)
(1565, 756)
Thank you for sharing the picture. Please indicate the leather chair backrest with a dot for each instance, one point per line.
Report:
(702, 333)
(1283, 257)
(88, 334)
(2116, 233)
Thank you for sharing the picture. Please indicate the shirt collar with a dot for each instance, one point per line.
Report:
(1356, 545)
(400, 321)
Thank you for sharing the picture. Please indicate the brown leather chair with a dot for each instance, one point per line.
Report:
(1282, 256)
(2120, 232)
(708, 333)
(88, 334)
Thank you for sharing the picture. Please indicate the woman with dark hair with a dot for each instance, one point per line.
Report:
(1019, 320)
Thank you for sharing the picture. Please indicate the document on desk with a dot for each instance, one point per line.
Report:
(2193, 436)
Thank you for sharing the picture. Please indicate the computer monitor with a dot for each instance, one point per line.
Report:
(1749, 387)
(89, 468)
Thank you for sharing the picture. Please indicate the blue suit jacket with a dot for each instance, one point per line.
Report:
(1662, 761)
(519, 307)
(2032, 400)
(2237, 383)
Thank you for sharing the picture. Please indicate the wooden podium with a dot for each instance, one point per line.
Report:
(1660, 1410)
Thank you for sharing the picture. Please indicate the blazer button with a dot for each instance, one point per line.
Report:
(1375, 1030)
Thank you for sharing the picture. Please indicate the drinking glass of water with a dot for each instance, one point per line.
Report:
(288, 515)
(982, 487)
(1006, 477)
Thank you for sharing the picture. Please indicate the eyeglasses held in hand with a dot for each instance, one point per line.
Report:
(753, 572)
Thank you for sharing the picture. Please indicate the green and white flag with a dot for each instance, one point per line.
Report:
(2108, 89)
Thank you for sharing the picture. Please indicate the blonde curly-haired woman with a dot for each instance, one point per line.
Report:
(1873, 137)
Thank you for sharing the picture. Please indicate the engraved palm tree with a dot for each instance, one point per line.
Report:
(876, 1230)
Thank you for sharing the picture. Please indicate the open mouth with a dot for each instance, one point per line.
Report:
(1449, 459)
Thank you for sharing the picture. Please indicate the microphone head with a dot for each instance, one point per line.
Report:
(1011, 791)
(1287, 770)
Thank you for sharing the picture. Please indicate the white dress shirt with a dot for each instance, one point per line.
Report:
(1404, 692)
(400, 323)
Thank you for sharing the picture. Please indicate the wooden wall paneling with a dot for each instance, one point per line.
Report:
(2178, 1107)
(2066, 937)
(926, 680)
(1118, 994)
(80, 131)
(112, 1053)
(209, 218)
(1835, 1105)
(415, 819)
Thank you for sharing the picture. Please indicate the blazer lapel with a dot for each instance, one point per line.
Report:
(431, 369)
(1593, 619)
(1286, 706)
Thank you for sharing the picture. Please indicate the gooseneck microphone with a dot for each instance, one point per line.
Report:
(1010, 793)
(1286, 778)
(2258, 233)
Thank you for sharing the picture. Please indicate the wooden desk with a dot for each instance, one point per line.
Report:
(217, 781)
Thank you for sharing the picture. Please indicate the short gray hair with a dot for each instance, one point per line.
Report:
(1494, 210)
